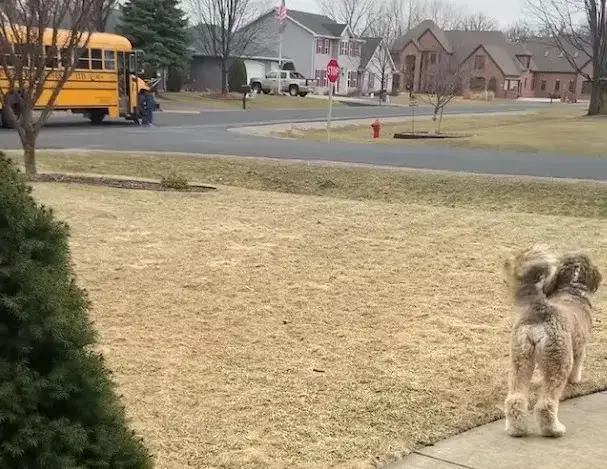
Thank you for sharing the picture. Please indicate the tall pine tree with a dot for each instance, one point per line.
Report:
(160, 29)
(58, 405)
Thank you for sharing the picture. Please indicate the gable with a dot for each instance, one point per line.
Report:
(414, 34)
(429, 41)
(480, 50)
(500, 57)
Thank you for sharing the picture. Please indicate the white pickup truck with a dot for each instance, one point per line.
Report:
(290, 81)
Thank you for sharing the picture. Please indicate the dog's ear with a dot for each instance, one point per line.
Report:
(594, 278)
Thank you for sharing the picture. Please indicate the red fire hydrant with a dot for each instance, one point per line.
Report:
(376, 126)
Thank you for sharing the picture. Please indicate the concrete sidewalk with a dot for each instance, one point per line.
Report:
(584, 446)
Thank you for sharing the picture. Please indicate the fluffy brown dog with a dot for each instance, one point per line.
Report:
(551, 331)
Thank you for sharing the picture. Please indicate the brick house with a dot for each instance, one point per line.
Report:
(490, 61)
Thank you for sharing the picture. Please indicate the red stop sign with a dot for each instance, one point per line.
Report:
(332, 70)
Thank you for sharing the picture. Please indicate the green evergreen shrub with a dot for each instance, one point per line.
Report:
(58, 405)
(237, 75)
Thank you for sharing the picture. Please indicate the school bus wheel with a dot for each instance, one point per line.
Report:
(96, 116)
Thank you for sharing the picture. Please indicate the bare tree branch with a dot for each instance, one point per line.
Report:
(355, 13)
(444, 13)
(385, 22)
(477, 22)
(102, 13)
(228, 28)
(441, 82)
(578, 28)
(37, 57)
(520, 32)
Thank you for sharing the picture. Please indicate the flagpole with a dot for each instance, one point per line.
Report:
(281, 15)
(279, 59)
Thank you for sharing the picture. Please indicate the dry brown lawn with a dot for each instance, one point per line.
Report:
(262, 329)
(422, 99)
(234, 101)
(562, 129)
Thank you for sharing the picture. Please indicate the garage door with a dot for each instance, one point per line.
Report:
(254, 69)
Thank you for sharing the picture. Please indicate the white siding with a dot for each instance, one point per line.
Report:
(380, 62)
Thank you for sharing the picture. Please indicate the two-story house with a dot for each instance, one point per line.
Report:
(311, 40)
(490, 62)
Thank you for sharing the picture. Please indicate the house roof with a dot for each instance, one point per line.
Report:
(494, 42)
(417, 32)
(320, 25)
(368, 49)
(202, 40)
(547, 57)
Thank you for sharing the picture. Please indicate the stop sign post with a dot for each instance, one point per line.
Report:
(332, 76)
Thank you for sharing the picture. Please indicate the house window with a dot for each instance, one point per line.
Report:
(322, 46)
(352, 78)
(533, 84)
(479, 62)
(557, 85)
(432, 59)
(343, 48)
(354, 49)
(371, 85)
(525, 83)
(543, 85)
(571, 86)
(321, 78)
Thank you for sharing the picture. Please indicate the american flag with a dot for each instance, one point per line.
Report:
(281, 15)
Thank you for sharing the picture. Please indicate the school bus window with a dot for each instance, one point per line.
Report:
(97, 59)
(50, 56)
(7, 58)
(66, 58)
(23, 53)
(83, 59)
(110, 60)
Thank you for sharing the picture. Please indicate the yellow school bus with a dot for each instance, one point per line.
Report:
(103, 83)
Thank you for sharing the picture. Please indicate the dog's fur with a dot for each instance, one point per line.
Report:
(553, 327)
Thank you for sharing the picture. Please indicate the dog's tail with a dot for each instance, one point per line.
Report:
(531, 272)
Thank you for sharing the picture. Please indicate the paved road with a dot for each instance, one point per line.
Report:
(207, 133)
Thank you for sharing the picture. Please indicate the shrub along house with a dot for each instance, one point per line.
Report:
(491, 63)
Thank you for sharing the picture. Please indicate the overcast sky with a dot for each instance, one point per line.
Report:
(505, 12)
